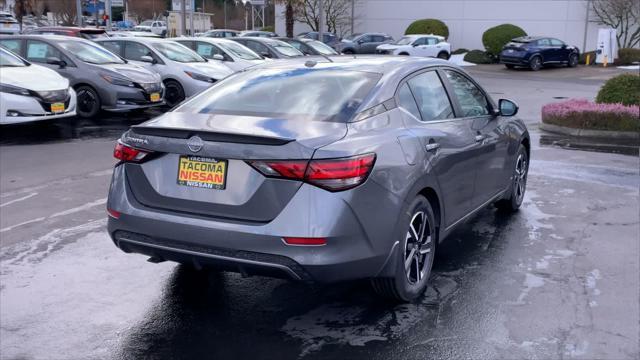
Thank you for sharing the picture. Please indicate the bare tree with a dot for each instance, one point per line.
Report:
(337, 14)
(290, 7)
(64, 10)
(622, 15)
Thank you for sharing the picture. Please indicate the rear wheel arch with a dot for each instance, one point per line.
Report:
(527, 145)
(434, 201)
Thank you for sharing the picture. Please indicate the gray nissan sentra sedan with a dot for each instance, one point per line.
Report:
(332, 170)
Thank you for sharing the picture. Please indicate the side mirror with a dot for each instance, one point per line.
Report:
(415, 44)
(564, 46)
(148, 59)
(265, 54)
(218, 57)
(56, 61)
(507, 107)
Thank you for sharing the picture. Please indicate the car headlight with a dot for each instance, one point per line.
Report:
(15, 90)
(200, 77)
(116, 80)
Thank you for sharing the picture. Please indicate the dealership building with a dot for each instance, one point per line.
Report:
(568, 20)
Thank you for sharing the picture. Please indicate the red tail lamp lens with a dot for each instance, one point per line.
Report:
(330, 174)
(301, 241)
(124, 152)
(114, 214)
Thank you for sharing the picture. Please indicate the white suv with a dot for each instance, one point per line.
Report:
(418, 45)
(8, 24)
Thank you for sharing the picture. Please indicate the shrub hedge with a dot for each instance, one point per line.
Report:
(478, 57)
(628, 56)
(622, 89)
(459, 51)
(428, 26)
(583, 114)
(498, 36)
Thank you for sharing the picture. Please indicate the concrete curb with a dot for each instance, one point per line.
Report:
(587, 133)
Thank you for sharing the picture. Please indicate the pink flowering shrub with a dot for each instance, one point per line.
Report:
(584, 114)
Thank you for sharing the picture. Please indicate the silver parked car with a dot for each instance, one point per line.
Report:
(355, 177)
(362, 43)
(234, 55)
(101, 79)
(184, 73)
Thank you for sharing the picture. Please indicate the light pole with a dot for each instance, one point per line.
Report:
(321, 25)
(79, 12)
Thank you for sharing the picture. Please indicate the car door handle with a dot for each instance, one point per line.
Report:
(432, 146)
(480, 138)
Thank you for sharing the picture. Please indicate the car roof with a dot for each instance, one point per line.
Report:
(366, 63)
(49, 37)
(70, 28)
(202, 38)
(268, 40)
(423, 35)
(530, 38)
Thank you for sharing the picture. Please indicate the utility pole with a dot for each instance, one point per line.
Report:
(191, 6)
(225, 13)
(321, 25)
(183, 16)
(79, 12)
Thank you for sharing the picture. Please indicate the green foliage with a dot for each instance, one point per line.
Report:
(622, 89)
(498, 36)
(269, 28)
(628, 56)
(459, 51)
(428, 26)
(477, 57)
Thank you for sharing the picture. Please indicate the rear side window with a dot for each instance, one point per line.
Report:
(285, 93)
(13, 45)
(378, 38)
(544, 42)
(431, 97)
(471, 98)
(113, 46)
(432, 41)
(407, 102)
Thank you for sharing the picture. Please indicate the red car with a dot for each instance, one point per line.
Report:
(86, 33)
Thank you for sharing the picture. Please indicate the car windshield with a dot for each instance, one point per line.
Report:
(177, 52)
(322, 48)
(147, 23)
(352, 36)
(285, 93)
(240, 51)
(286, 49)
(8, 59)
(406, 40)
(89, 53)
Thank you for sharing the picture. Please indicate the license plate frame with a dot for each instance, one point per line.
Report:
(194, 176)
(57, 108)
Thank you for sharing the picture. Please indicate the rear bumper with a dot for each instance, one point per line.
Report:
(514, 60)
(353, 251)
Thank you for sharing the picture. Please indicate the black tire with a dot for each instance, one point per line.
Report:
(88, 102)
(417, 247)
(443, 55)
(535, 63)
(509, 66)
(573, 60)
(348, 52)
(515, 194)
(173, 93)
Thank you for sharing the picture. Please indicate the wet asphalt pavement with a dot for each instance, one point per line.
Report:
(557, 280)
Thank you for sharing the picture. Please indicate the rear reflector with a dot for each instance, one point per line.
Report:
(329, 174)
(114, 214)
(304, 241)
(124, 152)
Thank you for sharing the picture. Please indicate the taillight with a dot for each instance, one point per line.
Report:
(301, 241)
(124, 152)
(329, 174)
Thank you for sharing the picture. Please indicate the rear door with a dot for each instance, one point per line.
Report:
(489, 133)
(448, 142)
(546, 50)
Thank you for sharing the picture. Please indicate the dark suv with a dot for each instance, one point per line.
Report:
(534, 52)
(362, 43)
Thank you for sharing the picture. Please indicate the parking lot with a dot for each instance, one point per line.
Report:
(559, 279)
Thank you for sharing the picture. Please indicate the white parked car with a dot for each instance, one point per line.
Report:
(154, 26)
(8, 24)
(234, 55)
(30, 92)
(418, 45)
(184, 72)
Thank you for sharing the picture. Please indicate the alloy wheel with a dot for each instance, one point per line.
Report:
(86, 101)
(536, 63)
(417, 248)
(520, 178)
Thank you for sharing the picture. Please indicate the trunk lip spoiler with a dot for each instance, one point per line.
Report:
(209, 135)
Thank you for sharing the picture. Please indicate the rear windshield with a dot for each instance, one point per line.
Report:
(277, 93)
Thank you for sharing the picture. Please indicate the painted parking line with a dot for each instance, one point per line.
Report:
(70, 211)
